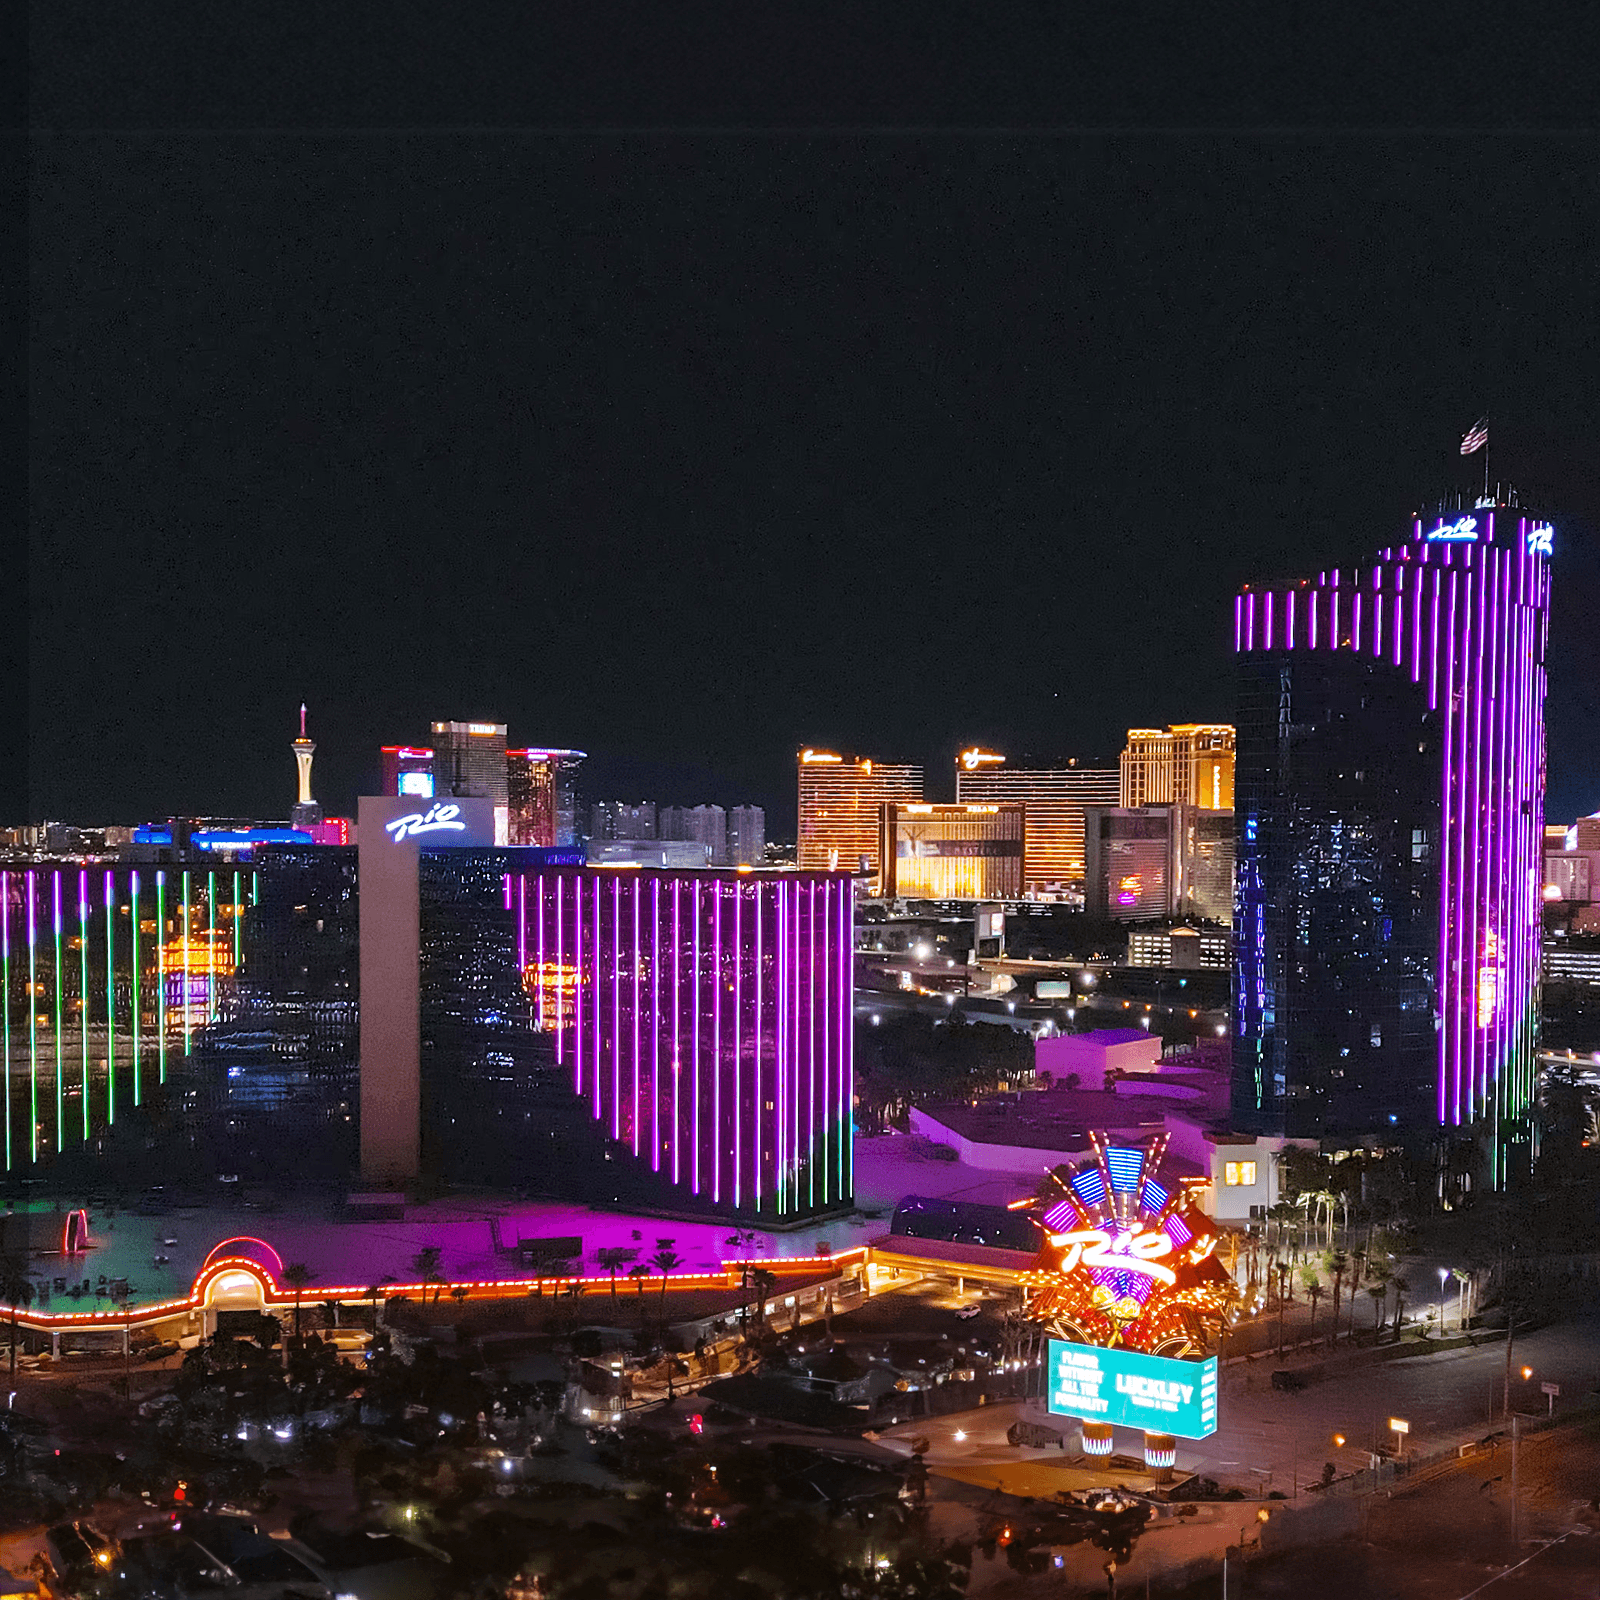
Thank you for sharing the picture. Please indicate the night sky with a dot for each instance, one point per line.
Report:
(688, 448)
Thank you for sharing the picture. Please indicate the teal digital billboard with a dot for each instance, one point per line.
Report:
(1132, 1390)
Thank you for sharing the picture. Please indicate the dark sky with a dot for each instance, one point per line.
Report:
(687, 448)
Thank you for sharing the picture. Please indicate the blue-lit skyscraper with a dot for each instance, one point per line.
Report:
(1389, 811)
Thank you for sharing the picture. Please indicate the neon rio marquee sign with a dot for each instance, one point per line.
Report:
(436, 819)
(1126, 1251)
(1464, 530)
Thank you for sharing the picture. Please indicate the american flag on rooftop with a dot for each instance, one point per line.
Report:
(1476, 437)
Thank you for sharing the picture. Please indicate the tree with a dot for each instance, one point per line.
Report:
(297, 1275)
(1358, 1262)
(425, 1263)
(742, 1243)
(1337, 1263)
(1379, 1292)
(1401, 1290)
(1313, 1285)
(666, 1260)
(16, 1289)
(612, 1258)
(639, 1272)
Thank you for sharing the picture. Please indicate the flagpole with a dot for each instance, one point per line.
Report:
(1486, 455)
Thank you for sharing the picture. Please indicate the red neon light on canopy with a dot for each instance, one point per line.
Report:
(276, 1265)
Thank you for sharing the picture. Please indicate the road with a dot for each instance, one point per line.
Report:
(1270, 1441)
(1449, 1536)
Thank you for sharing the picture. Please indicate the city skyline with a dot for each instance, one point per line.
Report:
(957, 471)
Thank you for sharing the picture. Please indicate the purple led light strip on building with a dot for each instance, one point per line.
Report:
(1478, 613)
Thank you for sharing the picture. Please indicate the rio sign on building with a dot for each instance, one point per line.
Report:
(1133, 1390)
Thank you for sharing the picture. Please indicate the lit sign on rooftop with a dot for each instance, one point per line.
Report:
(1541, 537)
(1464, 530)
(1133, 1390)
(436, 819)
(973, 759)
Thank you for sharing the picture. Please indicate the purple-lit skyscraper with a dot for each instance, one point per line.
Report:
(704, 1022)
(1389, 814)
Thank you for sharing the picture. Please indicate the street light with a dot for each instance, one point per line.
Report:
(1444, 1278)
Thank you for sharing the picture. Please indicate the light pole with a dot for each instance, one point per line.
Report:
(1444, 1278)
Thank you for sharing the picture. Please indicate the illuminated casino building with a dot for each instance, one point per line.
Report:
(1053, 798)
(469, 761)
(108, 977)
(408, 769)
(682, 1039)
(542, 792)
(1127, 1261)
(1190, 763)
(839, 812)
(952, 852)
(1390, 818)
(1158, 861)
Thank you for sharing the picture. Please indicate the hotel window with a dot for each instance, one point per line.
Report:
(1239, 1174)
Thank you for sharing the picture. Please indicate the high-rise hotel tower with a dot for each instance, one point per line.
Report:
(1389, 813)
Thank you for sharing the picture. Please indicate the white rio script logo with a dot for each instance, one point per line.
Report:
(436, 819)
(1132, 1252)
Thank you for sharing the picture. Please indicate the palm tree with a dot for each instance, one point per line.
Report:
(1308, 1276)
(1338, 1263)
(1358, 1262)
(425, 1263)
(742, 1243)
(665, 1261)
(330, 1313)
(459, 1294)
(639, 1273)
(1379, 1293)
(297, 1275)
(613, 1258)
(16, 1289)
(1401, 1290)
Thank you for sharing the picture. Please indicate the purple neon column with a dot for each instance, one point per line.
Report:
(780, 1099)
(758, 1101)
(635, 1128)
(578, 982)
(655, 1024)
(738, 1039)
(677, 1027)
(5, 1002)
(796, 1031)
(695, 1014)
(597, 938)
